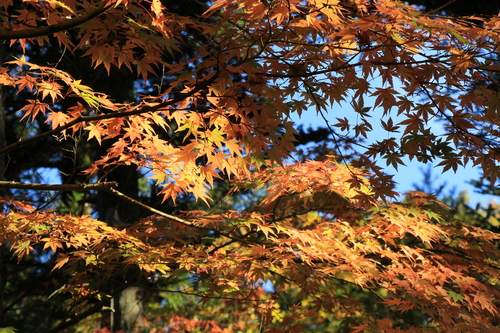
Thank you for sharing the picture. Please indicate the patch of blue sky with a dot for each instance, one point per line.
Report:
(410, 174)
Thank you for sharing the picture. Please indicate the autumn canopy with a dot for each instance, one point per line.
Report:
(179, 173)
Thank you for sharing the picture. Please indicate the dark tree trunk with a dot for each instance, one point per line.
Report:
(126, 307)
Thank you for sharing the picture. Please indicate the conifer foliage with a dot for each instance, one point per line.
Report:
(335, 250)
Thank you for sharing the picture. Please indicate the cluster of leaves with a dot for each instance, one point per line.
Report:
(337, 252)
(321, 241)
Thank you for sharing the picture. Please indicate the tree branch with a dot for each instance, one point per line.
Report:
(47, 30)
(440, 7)
(87, 119)
(177, 219)
(106, 186)
(153, 210)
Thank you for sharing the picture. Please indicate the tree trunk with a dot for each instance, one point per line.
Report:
(126, 308)
(131, 309)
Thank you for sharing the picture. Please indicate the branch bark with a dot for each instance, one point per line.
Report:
(47, 30)
(105, 186)
(153, 210)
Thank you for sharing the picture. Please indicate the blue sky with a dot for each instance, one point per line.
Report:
(407, 176)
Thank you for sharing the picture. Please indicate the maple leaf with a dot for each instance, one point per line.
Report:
(57, 118)
(52, 89)
(33, 108)
(94, 132)
(51, 243)
(385, 98)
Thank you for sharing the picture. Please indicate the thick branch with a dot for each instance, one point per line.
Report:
(47, 30)
(60, 187)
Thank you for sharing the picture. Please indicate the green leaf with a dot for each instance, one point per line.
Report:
(455, 296)
(51, 295)
(8, 330)
(459, 37)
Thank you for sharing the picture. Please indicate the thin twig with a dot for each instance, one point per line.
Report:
(153, 210)
(441, 7)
